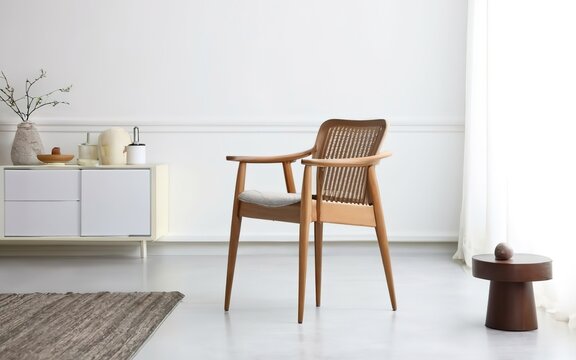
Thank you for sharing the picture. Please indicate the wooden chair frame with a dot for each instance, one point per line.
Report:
(312, 209)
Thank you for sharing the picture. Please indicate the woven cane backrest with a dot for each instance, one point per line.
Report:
(338, 139)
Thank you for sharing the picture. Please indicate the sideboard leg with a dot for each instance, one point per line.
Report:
(143, 250)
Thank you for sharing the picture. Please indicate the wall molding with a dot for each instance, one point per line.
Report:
(147, 126)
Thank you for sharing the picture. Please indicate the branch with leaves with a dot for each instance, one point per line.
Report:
(25, 105)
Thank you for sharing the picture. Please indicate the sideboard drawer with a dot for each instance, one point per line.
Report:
(42, 218)
(42, 185)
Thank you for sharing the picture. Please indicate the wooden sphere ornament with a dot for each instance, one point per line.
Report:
(503, 252)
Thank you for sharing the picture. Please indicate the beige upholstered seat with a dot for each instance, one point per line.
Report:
(269, 199)
(345, 155)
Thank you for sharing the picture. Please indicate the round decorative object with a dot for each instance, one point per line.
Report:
(503, 252)
(55, 158)
(27, 144)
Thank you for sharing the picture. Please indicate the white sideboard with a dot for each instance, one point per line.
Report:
(75, 203)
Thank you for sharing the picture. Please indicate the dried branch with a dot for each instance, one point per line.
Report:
(33, 103)
(9, 100)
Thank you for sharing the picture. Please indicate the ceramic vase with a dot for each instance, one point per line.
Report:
(112, 146)
(27, 144)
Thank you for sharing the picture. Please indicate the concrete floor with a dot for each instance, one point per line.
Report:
(441, 307)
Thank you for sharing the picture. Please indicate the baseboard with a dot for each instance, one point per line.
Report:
(293, 237)
(291, 248)
(165, 248)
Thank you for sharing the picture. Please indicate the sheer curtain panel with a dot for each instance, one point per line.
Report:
(520, 142)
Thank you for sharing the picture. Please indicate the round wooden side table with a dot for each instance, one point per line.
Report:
(511, 301)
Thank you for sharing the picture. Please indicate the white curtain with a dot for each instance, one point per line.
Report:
(520, 139)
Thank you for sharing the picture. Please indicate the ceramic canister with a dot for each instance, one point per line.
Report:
(88, 151)
(136, 154)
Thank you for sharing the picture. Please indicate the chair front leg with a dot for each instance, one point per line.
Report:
(305, 219)
(234, 233)
(288, 177)
(381, 233)
(232, 252)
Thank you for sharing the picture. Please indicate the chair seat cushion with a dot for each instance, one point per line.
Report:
(269, 199)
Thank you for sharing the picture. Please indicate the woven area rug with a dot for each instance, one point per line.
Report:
(80, 326)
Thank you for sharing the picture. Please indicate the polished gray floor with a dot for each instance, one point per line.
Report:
(440, 315)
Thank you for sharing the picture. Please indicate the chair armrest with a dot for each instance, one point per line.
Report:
(270, 159)
(349, 162)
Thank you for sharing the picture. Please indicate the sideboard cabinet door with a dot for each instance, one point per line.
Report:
(115, 202)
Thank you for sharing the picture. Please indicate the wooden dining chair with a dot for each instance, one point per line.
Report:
(345, 155)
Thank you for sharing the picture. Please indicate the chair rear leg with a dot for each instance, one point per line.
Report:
(318, 232)
(232, 252)
(385, 254)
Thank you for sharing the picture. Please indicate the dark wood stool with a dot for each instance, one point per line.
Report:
(511, 301)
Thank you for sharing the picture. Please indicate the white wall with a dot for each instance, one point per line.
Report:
(208, 78)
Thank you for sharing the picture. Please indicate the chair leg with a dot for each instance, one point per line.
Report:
(305, 220)
(232, 251)
(385, 254)
(234, 233)
(318, 230)
(303, 261)
(381, 233)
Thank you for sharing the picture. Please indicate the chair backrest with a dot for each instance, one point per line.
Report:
(338, 139)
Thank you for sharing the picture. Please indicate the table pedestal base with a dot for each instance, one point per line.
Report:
(511, 306)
